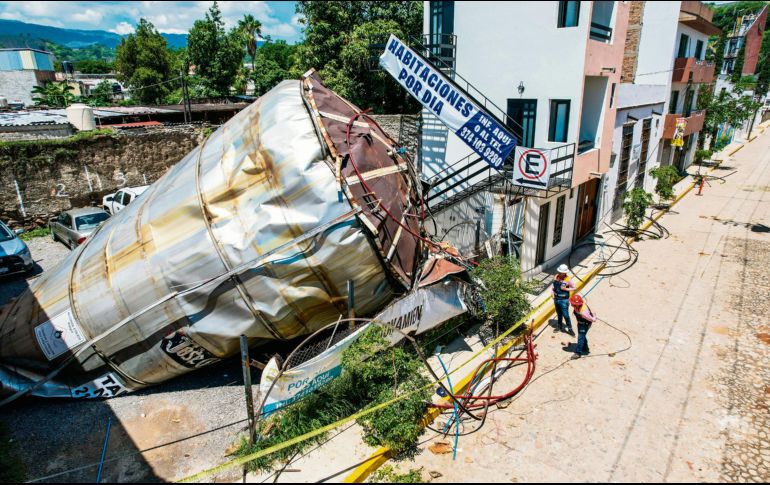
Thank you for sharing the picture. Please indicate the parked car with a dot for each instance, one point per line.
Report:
(114, 203)
(14, 254)
(73, 227)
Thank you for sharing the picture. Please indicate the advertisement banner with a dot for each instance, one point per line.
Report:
(418, 311)
(678, 138)
(452, 105)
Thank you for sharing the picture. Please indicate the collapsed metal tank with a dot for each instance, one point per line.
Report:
(254, 232)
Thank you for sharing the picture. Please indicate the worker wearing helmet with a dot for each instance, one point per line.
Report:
(585, 318)
(561, 291)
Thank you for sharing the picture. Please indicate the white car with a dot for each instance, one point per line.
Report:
(114, 203)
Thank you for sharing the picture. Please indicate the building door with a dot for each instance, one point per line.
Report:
(522, 114)
(621, 186)
(587, 195)
(542, 233)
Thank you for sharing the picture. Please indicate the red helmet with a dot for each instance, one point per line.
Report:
(576, 300)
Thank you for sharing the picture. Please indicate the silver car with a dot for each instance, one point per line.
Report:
(73, 227)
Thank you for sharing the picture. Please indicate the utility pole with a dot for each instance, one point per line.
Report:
(185, 98)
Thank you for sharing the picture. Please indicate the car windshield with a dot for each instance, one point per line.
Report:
(90, 221)
(5, 233)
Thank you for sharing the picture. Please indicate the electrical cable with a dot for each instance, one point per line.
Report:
(454, 404)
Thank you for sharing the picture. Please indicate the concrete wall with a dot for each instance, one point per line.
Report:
(658, 43)
(16, 86)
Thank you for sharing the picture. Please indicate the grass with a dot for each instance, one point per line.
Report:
(11, 468)
(35, 233)
(386, 474)
(81, 135)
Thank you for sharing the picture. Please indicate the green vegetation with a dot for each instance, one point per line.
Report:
(216, 54)
(735, 76)
(25, 155)
(726, 13)
(53, 94)
(143, 64)
(35, 233)
(635, 206)
(666, 178)
(374, 373)
(387, 474)
(11, 468)
(701, 155)
(93, 66)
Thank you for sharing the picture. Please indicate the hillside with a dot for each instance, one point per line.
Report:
(22, 34)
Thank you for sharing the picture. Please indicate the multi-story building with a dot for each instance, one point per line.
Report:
(746, 34)
(663, 70)
(21, 70)
(550, 71)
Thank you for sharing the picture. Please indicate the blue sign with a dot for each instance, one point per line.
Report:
(477, 128)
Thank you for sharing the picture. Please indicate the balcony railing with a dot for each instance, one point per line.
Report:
(701, 71)
(600, 32)
(694, 124)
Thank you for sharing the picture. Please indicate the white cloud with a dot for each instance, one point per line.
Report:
(123, 28)
(89, 16)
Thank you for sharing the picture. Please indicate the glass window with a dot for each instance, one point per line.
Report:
(67, 220)
(127, 198)
(559, 124)
(521, 120)
(89, 221)
(569, 13)
(699, 50)
(684, 41)
(674, 102)
(5, 233)
(119, 197)
(559, 223)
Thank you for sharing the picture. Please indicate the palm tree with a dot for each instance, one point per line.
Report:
(250, 29)
(57, 95)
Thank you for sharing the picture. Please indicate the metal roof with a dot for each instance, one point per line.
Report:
(59, 116)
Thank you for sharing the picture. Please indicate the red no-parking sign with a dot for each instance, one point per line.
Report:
(532, 168)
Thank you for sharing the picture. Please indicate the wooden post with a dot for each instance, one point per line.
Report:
(247, 385)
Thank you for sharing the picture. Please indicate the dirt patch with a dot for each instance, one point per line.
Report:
(764, 337)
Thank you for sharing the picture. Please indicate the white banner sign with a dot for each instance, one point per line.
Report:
(418, 311)
(442, 97)
(532, 168)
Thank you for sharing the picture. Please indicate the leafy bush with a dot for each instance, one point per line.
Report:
(36, 232)
(504, 293)
(386, 474)
(635, 206)
(666, 178)
(701, 155)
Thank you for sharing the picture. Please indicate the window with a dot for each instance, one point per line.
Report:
(126, 198)
(67, 221)
(612, 95)
(699, 49)
(559, 124)
(569, 13)
(441, 20)
(559, 223)
(684, 42)
(625, 157)
(646, 127)
(674, 102)
(521, 120)
(119, 197)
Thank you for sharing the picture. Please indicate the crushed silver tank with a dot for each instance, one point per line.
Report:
(254, 232)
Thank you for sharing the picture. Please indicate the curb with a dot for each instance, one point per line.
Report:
(383, 454)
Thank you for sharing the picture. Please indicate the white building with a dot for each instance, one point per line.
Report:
(551, 70)
(662, 71)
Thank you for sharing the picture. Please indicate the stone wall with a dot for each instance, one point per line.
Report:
(60, 174)
(633, 37)
(40, 178)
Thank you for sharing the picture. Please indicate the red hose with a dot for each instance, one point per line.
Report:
(530, 360)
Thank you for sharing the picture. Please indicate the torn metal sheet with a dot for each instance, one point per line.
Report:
(254, 232)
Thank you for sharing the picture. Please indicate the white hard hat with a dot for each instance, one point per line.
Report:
(563, 268)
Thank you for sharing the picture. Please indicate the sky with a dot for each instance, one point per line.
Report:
(278, 18)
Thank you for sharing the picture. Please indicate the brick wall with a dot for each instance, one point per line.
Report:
(633, 37)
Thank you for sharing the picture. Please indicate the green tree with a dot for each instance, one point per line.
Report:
(666, 177)
(143, 64)
(101, 95)
(93, 66)
(216, 54)
(763, 66)
(53, 94)
(337, 38)
(635, 205)
(250, 30)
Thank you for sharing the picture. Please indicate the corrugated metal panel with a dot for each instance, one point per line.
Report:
(43, 61)
(260, 183)
(28, 60)
(10, 61)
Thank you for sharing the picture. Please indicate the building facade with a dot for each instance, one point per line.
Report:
(551, 71)
(21, 70)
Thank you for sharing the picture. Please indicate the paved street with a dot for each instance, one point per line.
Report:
(689, 400)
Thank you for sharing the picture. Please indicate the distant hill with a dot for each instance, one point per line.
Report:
(14, 33)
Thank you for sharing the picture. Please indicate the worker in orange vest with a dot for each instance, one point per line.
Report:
(585, 318)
